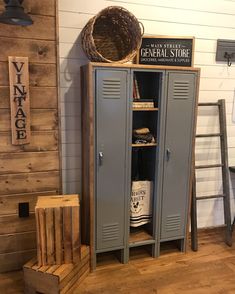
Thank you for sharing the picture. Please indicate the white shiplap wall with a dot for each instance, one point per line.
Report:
(207, 21)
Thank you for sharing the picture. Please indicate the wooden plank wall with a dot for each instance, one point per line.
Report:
(163, 17)
(28, 171)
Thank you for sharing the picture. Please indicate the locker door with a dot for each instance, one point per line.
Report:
(177, 157)
(111, 153)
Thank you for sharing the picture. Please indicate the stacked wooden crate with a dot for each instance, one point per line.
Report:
(62, 262)
(56, 278)
(58, 232)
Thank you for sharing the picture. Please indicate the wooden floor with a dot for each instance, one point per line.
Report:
(210, 270)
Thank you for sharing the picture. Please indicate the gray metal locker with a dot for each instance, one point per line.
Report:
(111, 156)
(109, 118)
(177, 157)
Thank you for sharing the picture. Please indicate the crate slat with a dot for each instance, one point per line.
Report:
(76, 241)
(58, 235)
(67, 225)
(42, 234)
(50, 235)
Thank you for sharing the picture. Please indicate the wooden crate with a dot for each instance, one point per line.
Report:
(58, 229)
(53, 279)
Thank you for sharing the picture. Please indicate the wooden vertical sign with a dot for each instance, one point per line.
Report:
(19, 100)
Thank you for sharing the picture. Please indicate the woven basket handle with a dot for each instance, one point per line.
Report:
(142, 27)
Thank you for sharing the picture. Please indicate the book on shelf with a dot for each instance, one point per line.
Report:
(144, 103)
(136, 92)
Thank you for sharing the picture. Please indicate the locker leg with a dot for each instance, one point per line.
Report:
(182, 245)
(155, 252)
(93, 262)
(124, 255)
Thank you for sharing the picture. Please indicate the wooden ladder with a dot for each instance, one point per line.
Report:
(225, 179)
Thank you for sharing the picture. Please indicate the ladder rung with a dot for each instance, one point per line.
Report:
(209, 104)
(210, 197)
(208, 135)
(208, 166)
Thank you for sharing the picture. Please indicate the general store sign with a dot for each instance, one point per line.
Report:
(171, 51)
(19, 99)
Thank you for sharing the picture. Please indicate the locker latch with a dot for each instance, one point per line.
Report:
(101, 158)
(168, 154)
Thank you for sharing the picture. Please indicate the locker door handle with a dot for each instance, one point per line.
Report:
(168, 154)
(101, 158)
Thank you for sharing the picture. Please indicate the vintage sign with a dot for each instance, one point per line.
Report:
(19, 100)
(171, 51)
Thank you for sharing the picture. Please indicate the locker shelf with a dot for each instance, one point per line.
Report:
(145, 109)
(139, 236)
(144, 145)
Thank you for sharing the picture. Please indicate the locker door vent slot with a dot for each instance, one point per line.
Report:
(173, 223)
(111, 89)
(110, 232)
(181, 90)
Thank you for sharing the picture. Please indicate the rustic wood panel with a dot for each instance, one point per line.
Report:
(14, 281)
(41, 119)
(9, 203)
(24, 169)
(17, 242)
(44, 7)
(40, 97)
(28, 162)
(29, 182)
(15, 260)
(42, 29)
(11, 224)
(40, 141)
(35, 50)
(40, 75)
(44, 120)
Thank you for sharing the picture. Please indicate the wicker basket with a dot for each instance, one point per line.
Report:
(113, 35)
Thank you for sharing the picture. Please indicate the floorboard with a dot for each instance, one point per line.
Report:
(211, 270)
